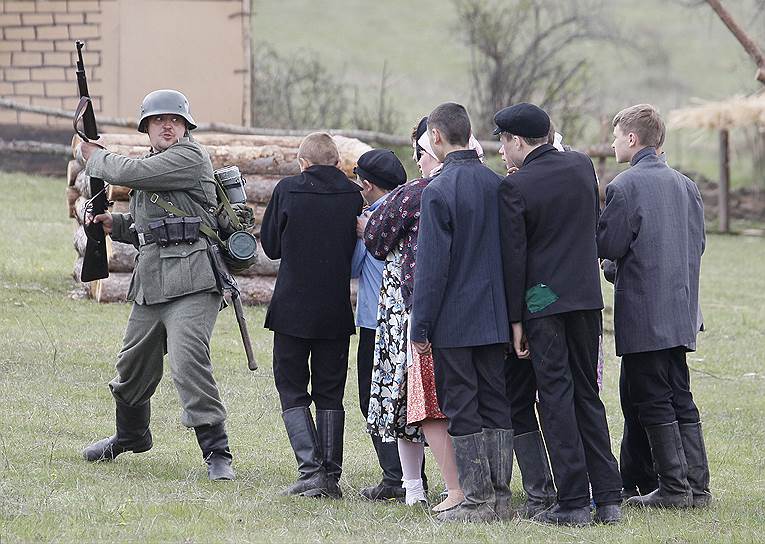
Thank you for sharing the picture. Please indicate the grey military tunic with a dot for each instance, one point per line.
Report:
(176, 299)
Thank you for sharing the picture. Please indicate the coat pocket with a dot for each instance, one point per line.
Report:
(185, 269)
(539, 297)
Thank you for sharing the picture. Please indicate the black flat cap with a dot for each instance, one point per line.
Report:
(522, 119)
(381, 167)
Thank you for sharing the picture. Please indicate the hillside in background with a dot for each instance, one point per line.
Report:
(670, 54)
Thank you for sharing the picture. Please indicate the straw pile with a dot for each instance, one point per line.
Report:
(736, 112)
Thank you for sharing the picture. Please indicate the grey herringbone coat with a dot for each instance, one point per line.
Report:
(653, 228)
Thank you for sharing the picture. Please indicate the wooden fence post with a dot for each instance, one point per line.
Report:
(724, 185)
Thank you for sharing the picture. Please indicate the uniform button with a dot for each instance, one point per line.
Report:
(183, 253)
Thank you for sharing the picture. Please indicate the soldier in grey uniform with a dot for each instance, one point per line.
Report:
(174, 290)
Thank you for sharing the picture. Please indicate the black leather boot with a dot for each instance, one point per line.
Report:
(213, 441)
(132, 434)
(390, 487)
(475, 479)
(537, 479)
(667, 449)
(331, 427)
(304, 440)
(698, 465)
(499, 452)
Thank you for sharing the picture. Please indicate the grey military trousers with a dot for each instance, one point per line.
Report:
(182, 328)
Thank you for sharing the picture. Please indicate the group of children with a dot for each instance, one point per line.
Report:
(479, 299)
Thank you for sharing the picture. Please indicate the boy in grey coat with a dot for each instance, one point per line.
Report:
(652, 226)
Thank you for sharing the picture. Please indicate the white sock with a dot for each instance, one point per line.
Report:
(414, 492)
(411, 454)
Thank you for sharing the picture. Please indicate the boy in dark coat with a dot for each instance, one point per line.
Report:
(549, 211)
(459, 312)
(310, 224)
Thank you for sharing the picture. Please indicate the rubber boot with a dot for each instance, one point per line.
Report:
(389, 487)
(213, 441)
(667, 449)
(132, 434)
(331, 426)
(499, 452)
(304, 440)
(475, 479)
(558, 515)
(537, 479)
(698, 465)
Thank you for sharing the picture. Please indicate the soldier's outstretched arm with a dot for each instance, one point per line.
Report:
(177, 168)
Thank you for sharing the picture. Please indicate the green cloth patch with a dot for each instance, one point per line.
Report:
(539, 297)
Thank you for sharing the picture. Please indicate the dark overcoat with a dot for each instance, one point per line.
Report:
(459, 296)
(653, 228)
(549, 215)
(310, 224)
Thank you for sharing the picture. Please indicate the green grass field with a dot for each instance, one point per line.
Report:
(57, 354)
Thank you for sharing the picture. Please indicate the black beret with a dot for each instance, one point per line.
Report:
(522, 119)
(381, 167)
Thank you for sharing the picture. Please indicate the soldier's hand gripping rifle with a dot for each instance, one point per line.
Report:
(227, 283)
(95, 265)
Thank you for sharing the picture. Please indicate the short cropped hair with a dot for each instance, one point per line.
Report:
(319, 148)
(551, 134)
(452, 121)
(643, 120)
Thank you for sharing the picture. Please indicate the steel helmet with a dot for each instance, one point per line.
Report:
(165, 101)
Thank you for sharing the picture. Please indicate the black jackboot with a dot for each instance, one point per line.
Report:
(698, 465)
(475, 479)
(304, 440)
(331, 427)
(499, 452)
(672, 468)
(535, 472)
(390, 486)
(213, 441)
(132, 434)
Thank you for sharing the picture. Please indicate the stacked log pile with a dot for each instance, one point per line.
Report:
(263, 161)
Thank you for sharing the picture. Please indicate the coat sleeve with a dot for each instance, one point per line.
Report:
(512, 215)
(271, 227)
(433, 260)
(177, 168)
(358, 258)
(615, 232)
(700, 216)
(121, 231)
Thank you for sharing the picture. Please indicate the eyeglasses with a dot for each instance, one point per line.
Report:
(164, 119)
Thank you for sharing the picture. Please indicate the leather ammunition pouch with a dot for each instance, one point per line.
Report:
(175, 230)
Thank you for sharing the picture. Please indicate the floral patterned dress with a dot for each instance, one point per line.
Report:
(388, 398)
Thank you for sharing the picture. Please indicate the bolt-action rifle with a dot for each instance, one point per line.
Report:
(95, 265)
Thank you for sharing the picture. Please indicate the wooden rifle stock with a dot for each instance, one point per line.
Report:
(95, 265)
(230, 288)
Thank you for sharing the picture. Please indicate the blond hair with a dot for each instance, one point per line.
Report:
(319, 148)
(644, 121)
